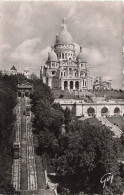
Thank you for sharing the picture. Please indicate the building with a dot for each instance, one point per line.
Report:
(26, 72)
(100, 84)
(12, 71)
(63, 68)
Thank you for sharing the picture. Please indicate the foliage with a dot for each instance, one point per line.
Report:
(7, 118)
(85, 154)
(8, 85)
(48, 118)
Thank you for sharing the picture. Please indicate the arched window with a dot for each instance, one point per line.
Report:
(116, 111)
(71, 85)
(65, 84)
(70, 71)
(91, 111)
(77, 84)
(62, 55)
(104, 111)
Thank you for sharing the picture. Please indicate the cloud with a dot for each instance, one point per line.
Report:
(27, 30)
(71, 13)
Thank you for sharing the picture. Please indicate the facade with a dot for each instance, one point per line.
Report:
(100, 84)
(26, 72)
(63, 69)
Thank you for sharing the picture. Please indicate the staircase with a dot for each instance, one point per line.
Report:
(37, 192)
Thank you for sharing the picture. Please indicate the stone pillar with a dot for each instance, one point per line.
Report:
(74, 85)
(79, 109)
(50, 82)
(62, 85)
(68, 85)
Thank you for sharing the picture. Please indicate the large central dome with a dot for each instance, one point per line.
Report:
(64, 37)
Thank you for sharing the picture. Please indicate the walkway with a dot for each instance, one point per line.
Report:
(112, 127)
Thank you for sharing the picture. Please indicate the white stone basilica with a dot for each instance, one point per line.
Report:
(63, 69)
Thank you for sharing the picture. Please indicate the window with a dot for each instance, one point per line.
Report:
(53, 64)
(70, 71)
(62, 55)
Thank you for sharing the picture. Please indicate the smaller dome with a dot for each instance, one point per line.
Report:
(52, 55)
(80, 56)
(26, 68)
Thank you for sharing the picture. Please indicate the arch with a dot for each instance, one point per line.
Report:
(91, 111)
(77, 84)
(117, 111)
(104, 111)
(65, 84)
(71, 84)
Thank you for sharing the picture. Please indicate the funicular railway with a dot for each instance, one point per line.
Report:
(23, 148)
(16, 149)
(24, 174)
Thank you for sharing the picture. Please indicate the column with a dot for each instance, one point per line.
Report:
(62, 85)
(74, 85)
(68, 85)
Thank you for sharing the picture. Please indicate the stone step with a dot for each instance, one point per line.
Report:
(35, 192)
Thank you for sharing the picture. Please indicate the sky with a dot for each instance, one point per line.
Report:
(28, 29)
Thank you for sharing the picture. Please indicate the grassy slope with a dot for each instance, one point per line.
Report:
(117, 120)
(110, 94)
(94, 121)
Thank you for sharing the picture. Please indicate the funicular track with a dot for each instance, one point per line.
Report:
(24, 175)
(31, 165)
(16, 167)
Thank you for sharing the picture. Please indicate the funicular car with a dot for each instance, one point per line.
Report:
(16, 150)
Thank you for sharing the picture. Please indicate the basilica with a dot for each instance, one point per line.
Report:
(64, 69)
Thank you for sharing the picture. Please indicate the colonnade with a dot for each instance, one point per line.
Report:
(74, 84)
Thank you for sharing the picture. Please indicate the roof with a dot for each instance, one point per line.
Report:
(24, 86)
(64, 37)
(13, 68)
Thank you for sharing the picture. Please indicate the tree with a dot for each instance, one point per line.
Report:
(86, 153)
(7, 119)
(68, 116)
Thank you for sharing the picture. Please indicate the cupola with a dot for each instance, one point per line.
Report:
(52, 55)
(80, 56)
(64, 38)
